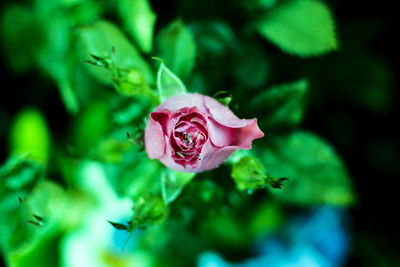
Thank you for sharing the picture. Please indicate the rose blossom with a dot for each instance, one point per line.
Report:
(194, 133)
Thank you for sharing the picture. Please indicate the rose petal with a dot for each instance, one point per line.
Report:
(174, 103)
(168, 161)
(219, 134)
(154, 134)
(245, 136)
(223, 115)
(243, 140)
(218, 157)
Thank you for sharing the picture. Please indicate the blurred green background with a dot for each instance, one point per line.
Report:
(320, 76)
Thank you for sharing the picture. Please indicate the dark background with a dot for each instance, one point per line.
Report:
(366, 138)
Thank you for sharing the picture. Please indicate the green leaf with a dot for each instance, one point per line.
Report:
(99, 39)
(300, 27)
(176, 46)
(281, 105)
(172, 184)
(20, 173)
(249, 173)
(317, 174)
(30, 134)
(214, 37)
(44, 251)
(252, 67)
(25, 221)
(18, 28)
(265, 219)
(168, 84)
(139, 20)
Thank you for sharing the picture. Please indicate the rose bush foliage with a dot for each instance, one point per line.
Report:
(194, 133)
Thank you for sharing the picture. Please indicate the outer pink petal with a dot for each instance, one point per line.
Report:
(225, 124)
(218, 157)
(243, 140)
(245, 136)
(223, 115)
(219, 134)
(174, 103)
(154, 134)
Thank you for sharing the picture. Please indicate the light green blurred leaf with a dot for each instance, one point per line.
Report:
(137, 175)
(99, 39)
(28, 220)
(172, 184)
(139, 20)
(300, 27)
(29, 134)
(317, 175)
(176, 46)
(90, 126)
(20, 173)
(249, 173)
(282, 105)
(43, 252)
(110, 150)
(168, 84)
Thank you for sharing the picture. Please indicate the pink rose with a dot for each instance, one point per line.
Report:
(194, 133)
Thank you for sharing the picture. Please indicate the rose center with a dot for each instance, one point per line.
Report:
(188, 139)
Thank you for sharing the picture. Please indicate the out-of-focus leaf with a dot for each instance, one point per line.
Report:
(317, 174)
(43, 252)
(44, 200)
(27, 220)
(257, 5)
(111, 150)
(137, 175)
(300, 27)
(225, 229)
(20, 173)
(168, 84)
(249, 173)
(85, 12)
(266, 218)
(172, 183)
(53, 54)
(126, 111)
(252, 66)
(99, 39)
(176, 46)
(29, 134)
(148, 210)
(90, 126)
(18, 28)
(213, 37)
(282, 105)
(139, 20)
